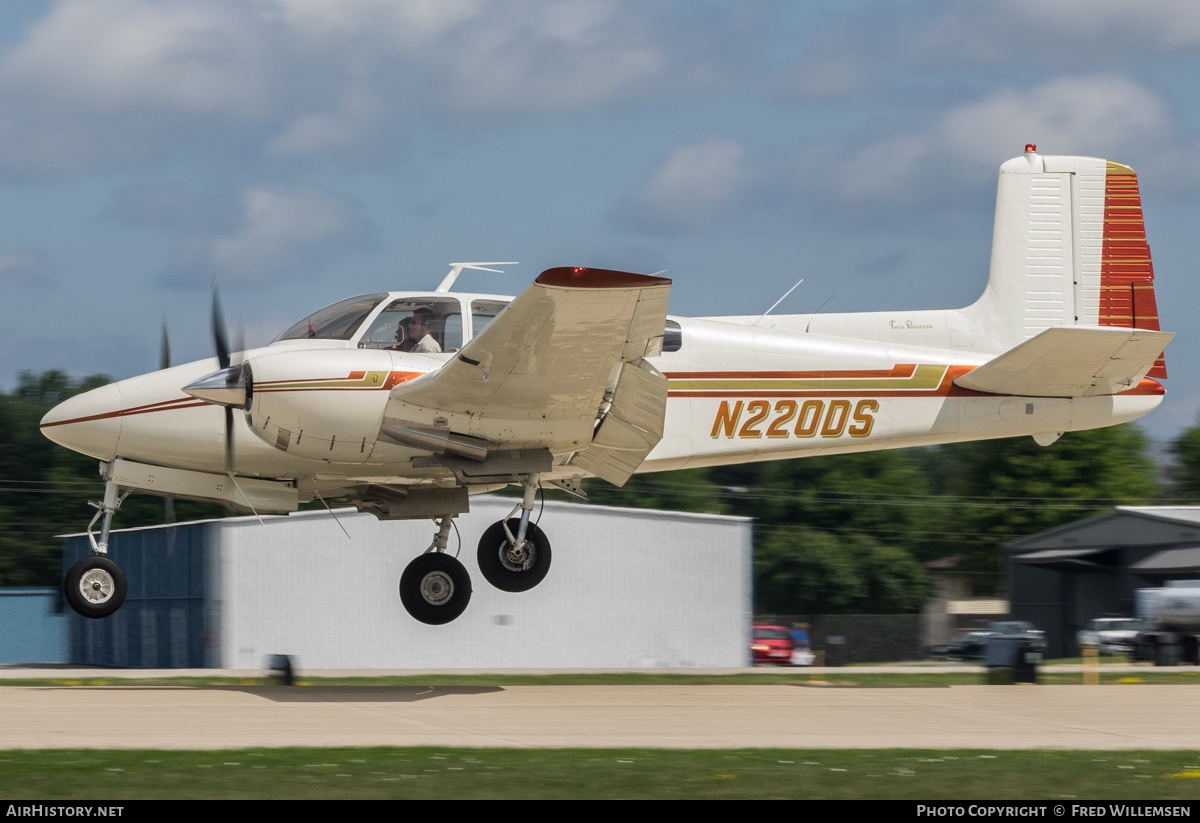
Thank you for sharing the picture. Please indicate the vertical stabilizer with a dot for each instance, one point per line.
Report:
(1068, 248)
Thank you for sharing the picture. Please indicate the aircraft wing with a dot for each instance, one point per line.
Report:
(538, 376)
(1071, 361)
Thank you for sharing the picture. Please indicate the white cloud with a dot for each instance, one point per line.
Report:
(401, 21)
(692, 188)
(113, 55)
(1067, 115)
(341, 131)
(115, 81)
(1064, 31)
(281, 234)
(1099, 115)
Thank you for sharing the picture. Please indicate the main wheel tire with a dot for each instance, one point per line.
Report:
(95, 587)
(435, 588)
(506, 569)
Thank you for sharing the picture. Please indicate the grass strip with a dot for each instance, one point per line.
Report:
(428, 773)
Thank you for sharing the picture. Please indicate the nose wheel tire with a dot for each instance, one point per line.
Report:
(435, 588)
(508, 569)
(95, 587)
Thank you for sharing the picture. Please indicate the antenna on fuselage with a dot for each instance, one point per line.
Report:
(777, 302)
(456, 270)
(818, 311)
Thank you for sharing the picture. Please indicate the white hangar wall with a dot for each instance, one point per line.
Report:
(627, 588)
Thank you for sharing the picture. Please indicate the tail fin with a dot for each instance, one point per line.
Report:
(1068, 249)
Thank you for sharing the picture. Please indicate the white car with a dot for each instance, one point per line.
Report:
(1112, 635)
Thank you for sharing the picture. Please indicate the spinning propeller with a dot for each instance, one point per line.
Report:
(228, 385)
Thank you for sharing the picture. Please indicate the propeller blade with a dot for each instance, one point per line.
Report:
(229, 440)
(238, 348)
(220, 338)
(221, 341)
(164, 356)
(239, 343)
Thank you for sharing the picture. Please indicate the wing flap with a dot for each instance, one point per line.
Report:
(632, 426)
(1070, 361)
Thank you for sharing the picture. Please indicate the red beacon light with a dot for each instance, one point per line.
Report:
(1030, 147)
(580, 269)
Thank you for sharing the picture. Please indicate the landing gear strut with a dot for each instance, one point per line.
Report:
(514, 554)
(435, 587)
(95, 586)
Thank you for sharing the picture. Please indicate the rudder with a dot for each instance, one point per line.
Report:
(1126, 296)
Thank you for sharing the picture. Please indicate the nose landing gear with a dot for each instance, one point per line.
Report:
(95, 586)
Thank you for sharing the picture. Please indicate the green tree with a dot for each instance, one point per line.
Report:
(44, 488)
(997, 490)
(689, 490)
(1185, 473)
(807, 571)
(880, 495)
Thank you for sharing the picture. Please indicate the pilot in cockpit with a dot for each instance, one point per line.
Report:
(413, 335)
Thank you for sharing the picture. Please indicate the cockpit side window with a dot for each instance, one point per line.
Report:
(484, 312)
(672, 337)
(337, 322)
(438, 327)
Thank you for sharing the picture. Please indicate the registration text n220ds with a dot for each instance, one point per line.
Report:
(794, 418)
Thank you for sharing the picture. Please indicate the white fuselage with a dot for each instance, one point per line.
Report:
(738, 392)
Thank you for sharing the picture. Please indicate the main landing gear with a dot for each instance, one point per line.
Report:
(514, 556)
(95, 586)
(512, 564)
(435, 588)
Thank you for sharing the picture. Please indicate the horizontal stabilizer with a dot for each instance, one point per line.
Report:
(1070, 361)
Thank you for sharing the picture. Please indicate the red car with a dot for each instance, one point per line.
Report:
(771, 644)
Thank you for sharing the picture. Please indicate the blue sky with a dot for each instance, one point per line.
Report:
(304, 150)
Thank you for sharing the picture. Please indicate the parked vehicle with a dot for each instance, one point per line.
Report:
(1110, 635)
(771, 644)
(1021, 629)
(1172, 618)
(963, 646)
(972, 645)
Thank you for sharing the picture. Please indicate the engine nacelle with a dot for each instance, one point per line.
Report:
(321, 404)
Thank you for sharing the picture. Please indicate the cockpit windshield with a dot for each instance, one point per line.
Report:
(337, 322)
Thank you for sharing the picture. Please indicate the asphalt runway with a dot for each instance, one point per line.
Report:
(672, 716)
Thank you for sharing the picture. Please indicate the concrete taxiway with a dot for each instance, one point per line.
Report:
(675, 716)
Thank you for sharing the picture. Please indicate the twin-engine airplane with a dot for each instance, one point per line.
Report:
(406, 403)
